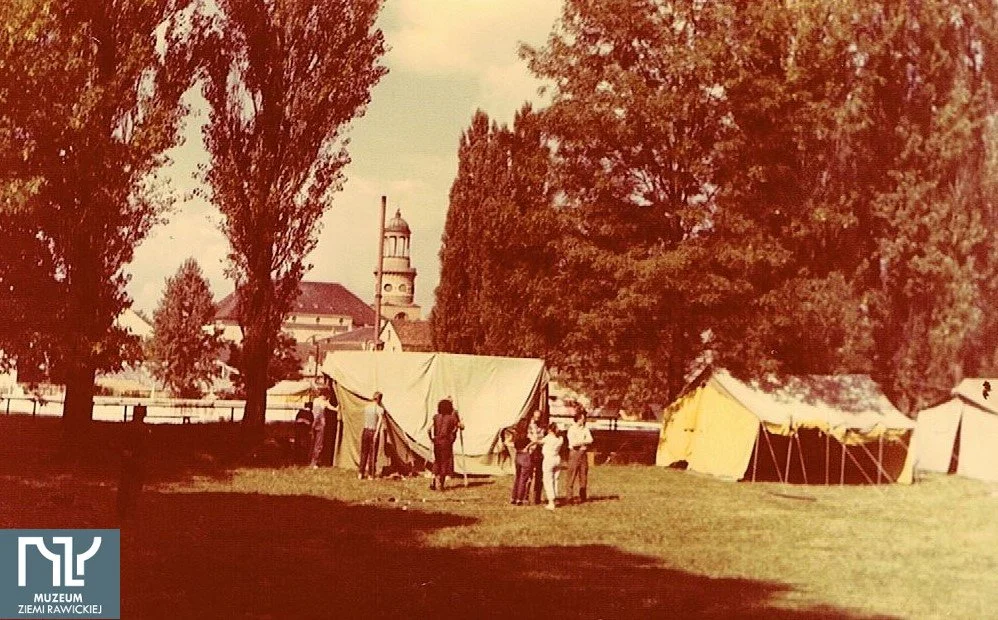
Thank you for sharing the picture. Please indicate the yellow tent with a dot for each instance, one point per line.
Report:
(813, 429)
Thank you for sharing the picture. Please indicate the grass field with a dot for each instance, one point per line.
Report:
(213, 541)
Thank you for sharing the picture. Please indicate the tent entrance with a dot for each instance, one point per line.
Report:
(811, 456)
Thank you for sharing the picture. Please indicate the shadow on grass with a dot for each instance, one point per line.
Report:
(243, 555)
(240, 555)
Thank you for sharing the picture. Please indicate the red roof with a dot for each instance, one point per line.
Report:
(314, 298)
(415, 335)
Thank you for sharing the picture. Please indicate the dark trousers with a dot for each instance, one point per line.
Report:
(578, 472)
(368, 456)
(318, 443)
(130, 486)
(522, 481)
(534, 475)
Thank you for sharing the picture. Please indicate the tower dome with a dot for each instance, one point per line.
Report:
(398, 287)
(397, 224)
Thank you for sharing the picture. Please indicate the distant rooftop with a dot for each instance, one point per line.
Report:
(314, 298)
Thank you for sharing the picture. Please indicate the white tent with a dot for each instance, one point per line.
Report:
(961, 434)
(490, 394)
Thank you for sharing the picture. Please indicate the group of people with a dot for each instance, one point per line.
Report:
(538, 448)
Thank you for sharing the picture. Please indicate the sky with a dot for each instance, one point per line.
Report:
(446, 59)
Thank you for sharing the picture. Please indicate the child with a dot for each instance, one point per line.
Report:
(551, 448)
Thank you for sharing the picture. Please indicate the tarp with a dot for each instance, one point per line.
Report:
(490, 394)
(725, 427)
(291, 392)
(962, 430)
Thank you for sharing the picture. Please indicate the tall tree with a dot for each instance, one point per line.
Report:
(635, 117)
(183, 353)
(284, 79)
(497, 292)
(89, 101)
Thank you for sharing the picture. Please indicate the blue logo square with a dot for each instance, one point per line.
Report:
(60, 574)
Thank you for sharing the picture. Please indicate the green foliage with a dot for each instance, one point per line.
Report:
(774, 187)
(496, 290)
(284, 79)
(183, 354)
(89, 101)
(285, 364)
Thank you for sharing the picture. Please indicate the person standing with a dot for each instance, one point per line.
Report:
(551, 451)
(520, 444)
(535, 434)
(133, 462)
(373, 417)
(303, 434)
(579, 440)
(320, 412)
(443, 433)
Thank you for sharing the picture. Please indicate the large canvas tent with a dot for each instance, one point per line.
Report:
(490, 393)
(811, 429)
(961, 435)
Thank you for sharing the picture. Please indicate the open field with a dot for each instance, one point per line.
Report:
(269, 542)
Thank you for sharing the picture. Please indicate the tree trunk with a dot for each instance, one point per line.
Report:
(256, 359)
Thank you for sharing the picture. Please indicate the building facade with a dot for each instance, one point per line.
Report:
(321, 310)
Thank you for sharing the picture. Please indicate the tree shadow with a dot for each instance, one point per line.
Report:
(242, 555)
(245, 555)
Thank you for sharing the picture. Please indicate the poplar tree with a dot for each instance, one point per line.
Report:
(284, 80)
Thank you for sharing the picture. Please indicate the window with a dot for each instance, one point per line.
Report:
(402, 288)
(317, 319)
(388, 288)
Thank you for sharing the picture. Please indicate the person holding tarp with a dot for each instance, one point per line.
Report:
(443, 433)
(374, 414)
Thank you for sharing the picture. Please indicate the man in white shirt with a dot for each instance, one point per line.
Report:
(579, 440)
(373, 414)
(321, 410)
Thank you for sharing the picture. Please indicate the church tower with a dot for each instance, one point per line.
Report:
(399, 277)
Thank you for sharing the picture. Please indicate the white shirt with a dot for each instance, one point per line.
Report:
(551, 446)
(372, 416)
(319, 407)
(579, 436)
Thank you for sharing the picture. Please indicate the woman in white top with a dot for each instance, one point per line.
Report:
(551, 448)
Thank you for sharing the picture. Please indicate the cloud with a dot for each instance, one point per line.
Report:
(464, 36)
(448, 58)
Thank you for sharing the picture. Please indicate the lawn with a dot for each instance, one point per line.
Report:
(214, 541)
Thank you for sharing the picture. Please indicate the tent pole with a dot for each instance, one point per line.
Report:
(800, 455)
(790, 448)
(842, 468)
(772, 453)
(827, 447)
(880, 468)
(755, 459)
(860, 466)
(880, 457)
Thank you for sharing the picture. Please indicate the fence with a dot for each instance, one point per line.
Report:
(160, 411)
